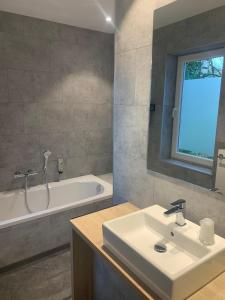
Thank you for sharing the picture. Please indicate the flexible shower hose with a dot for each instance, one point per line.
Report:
(26, 197)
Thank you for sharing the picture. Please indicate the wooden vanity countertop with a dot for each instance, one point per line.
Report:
(89, 228)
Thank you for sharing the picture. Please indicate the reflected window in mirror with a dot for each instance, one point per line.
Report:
(186, 128)
(196, 108)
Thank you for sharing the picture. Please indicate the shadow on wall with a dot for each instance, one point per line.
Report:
(55, 93)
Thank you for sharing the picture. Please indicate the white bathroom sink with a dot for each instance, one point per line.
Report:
(186, 265)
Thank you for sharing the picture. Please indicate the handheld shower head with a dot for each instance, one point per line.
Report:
(46, 156)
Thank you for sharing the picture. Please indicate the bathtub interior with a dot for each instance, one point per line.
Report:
(74, 192)
(63, 194)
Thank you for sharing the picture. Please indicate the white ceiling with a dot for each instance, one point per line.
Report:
(89, 14)
(181, 9)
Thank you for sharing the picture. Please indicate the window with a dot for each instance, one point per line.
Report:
(196, 107)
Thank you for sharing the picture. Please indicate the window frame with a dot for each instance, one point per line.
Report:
(178, 103)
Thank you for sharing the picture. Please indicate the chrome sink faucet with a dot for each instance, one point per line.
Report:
(178, 209)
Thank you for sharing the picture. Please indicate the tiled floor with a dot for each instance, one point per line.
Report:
(48, 278)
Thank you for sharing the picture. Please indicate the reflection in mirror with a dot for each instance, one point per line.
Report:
(188, 88)
(196, 107)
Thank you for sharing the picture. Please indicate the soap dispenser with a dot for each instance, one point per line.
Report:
(206, 235)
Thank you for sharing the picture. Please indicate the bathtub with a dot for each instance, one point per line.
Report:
(25, 234)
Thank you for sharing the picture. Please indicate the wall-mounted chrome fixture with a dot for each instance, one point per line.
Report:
(220, 172)
(28, 173)
(60, 166)
(25, 175)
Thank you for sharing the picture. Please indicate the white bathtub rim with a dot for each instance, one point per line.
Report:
(85, 178)
(107, 194)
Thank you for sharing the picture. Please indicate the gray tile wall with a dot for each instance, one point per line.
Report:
(55, 93)
(132, 180)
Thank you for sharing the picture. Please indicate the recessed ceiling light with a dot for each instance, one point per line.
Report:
(108, 19)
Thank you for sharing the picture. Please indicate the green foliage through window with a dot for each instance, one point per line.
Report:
(189, 152)
(199, 69)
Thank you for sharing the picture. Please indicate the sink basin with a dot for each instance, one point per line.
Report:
(183, 268)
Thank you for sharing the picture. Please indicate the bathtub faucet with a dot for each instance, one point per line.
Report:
(25, 175)
(28, 173)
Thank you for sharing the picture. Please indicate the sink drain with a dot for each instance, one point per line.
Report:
(160, 247)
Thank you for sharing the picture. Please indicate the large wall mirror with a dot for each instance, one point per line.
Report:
(187, 118)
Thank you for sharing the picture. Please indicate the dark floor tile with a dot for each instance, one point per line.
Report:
(46, 279)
